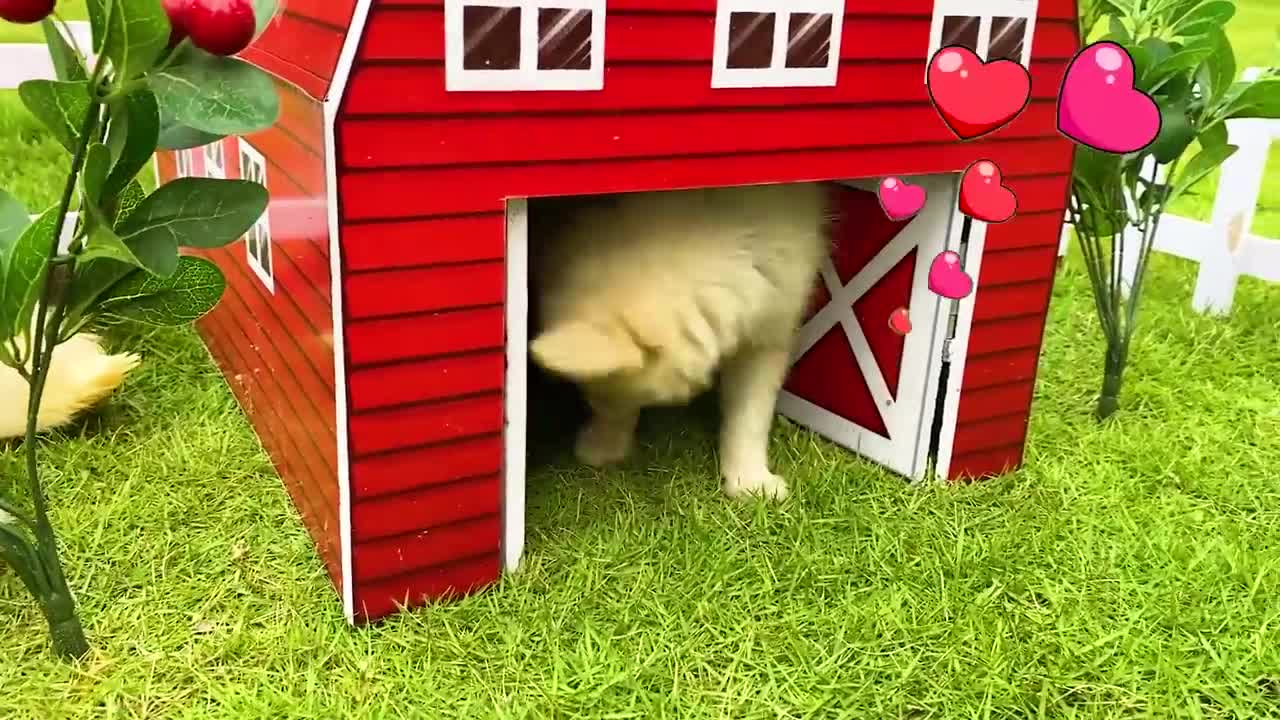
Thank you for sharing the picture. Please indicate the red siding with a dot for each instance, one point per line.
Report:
(426, 173)
(302, 43)
(277, 349)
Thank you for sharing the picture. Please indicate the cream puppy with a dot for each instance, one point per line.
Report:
(644, 297)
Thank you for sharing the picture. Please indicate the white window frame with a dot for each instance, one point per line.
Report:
(528, 76)
(184, 163)
(249, 156)
(215, 160)
(777, 74)
(985, 12)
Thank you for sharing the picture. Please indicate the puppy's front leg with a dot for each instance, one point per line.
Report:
(749, 385)
(607, 436)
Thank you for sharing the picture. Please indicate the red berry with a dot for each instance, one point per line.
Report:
(177, 10)
(26, 11)
(220, 27)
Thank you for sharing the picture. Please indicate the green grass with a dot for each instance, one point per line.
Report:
(1128, 570)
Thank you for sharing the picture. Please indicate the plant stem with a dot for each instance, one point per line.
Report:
(58, 605)
(1112, 378)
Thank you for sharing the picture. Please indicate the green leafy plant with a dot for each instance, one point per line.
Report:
(150, 87)
(1185, 62)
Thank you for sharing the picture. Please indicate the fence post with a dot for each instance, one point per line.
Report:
(1239, 189)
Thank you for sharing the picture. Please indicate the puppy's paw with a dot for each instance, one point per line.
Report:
(761, 483)
(602, 444)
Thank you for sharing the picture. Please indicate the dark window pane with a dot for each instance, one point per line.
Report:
(809, 40)
(564, 39)
(491, 37)
(1007, 35)
(264, 243)
(960, 30)
(751, 39)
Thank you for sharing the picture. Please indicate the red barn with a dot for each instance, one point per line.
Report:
(374, 328)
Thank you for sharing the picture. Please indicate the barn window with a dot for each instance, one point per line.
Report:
(1002, 31)
(258, 246)
(501, 45)
(184, 163)
(777, 43)
(215, 160)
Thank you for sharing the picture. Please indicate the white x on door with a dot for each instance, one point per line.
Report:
(853, 379)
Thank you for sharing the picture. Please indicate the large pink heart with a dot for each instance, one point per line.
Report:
(1098, 105)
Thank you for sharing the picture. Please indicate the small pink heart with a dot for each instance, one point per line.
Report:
(900, 200)
(947, 278)
(900, 321)
(1098, 105)
(983, 194)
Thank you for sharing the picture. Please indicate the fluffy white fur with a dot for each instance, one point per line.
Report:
(644, 297)
(81, 374)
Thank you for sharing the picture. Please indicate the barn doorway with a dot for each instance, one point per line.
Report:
(892, 398)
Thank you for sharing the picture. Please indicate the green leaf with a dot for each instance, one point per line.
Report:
(264, 11)
(1213, 136)
(135, 136)
(1220, 67)
(67, 64)
(180, 137)
(17, 551)
(1200, 167)
(60, 106)
(1259, 99)
(1119, 33)
(13, 220)
(196, 212)
(137, 35)
(103, 243)
(98, 12)
(186, 296)
(92, 279)
(97, 163)
(219, 95)
(1175, 135)
(128, 201)
(25, 273)
(1204, 17)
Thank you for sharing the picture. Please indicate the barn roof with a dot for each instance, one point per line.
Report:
(302, 43)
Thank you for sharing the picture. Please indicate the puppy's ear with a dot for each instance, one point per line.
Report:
(582, 351)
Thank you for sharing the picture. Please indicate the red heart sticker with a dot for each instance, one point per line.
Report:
(976, 98)
(983, 195)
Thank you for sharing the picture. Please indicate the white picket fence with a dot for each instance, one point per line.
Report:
(1224, 247)
(29, 61)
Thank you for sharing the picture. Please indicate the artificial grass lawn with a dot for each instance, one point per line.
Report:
(1129, 569)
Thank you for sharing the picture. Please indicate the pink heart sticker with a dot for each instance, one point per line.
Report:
(973, 97)
(947, 278)
(983, 194)
(900, 322)
(1098, 105)
(900, 200)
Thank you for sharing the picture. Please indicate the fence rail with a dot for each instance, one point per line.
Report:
(1224, 247)
(20, 62)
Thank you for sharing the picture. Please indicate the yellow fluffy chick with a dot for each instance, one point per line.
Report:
(80, 375)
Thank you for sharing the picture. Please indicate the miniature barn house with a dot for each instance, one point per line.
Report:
(374, 327)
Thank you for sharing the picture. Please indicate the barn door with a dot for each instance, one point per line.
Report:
(854, 379)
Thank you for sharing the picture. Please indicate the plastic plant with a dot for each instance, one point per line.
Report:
(1185, 62)
(148, 88)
